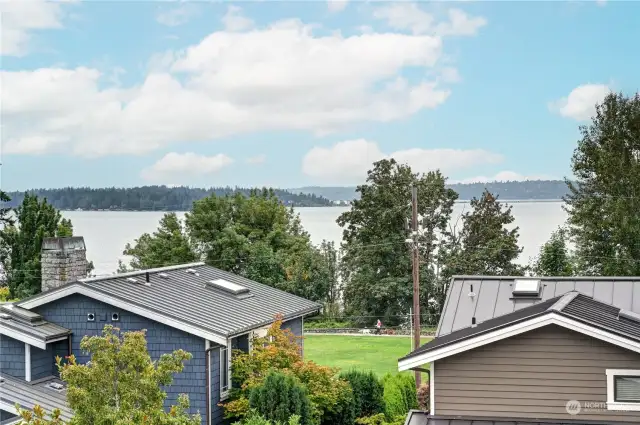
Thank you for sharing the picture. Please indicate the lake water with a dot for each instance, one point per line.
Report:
(106, 232)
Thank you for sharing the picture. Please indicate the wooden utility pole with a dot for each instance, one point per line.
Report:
(416, 276)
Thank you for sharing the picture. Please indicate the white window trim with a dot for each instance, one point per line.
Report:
(616, 405)
(224, 394)
(432, 388)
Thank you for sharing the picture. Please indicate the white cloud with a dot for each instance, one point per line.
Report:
(258, 159)
(233, 20)
(22, 17)
(282, 77)
(410, 16)
(348, 162)
(581, 102)
(450, 75)
(337, 5)
(176, 166)
(176, 15)
(504, 176)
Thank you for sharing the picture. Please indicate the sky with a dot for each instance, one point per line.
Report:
(291, 94)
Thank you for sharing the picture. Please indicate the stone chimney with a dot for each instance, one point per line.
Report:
(63, 260)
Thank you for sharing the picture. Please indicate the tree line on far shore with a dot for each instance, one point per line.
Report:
(369, 275)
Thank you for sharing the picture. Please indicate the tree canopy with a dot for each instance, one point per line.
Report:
(255, 236)
(121, 385)
(21, 243)
(604, 199)
(555, 257)
(376, 263)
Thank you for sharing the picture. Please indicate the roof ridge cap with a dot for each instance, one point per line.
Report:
(563, 301)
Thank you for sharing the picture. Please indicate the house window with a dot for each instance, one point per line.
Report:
(225, 371)
(623, 389)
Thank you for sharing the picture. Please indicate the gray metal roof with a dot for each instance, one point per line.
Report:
(27, 322)
(574, 305)
(422, 418)
(30, 394)
(189, 298)
(493, 296)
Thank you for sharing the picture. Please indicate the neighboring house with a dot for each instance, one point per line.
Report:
(203, 310)
(533, 351)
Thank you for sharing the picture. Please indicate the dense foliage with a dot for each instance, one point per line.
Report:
(367, 392)
(604, 200)
(279, 397)
(254, 236)
(151, 198)
(331, 397)
(510, 190)
(21, 244)
(555, 257)
(376, 263)
(399, 395)
(121, 384)
(5, 218)
(255, 419)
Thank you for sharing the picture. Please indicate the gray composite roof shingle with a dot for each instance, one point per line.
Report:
(422, 418)
(187, 298)
(493, 296)
(573, 305)
(29, 394)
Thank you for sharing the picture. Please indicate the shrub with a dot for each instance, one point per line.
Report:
(399, 395)
(255, 419)
(380, 419)
(342, 411)
(423, 397)
(279, 397)
(367, 392)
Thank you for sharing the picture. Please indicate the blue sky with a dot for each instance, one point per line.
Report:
(302, 93)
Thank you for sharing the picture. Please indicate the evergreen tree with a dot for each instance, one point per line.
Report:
(21, 243)
(604, 199)
(376, 264)
(555, 258)
(5, 219)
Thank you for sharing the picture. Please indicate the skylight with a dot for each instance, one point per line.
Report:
(227, 286)
(526, 287)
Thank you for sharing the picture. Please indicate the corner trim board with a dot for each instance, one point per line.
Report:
(432, 388)
(132, 308)
(27, 362)
(516, 329)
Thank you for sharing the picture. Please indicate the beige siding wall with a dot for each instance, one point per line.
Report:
(532, 375)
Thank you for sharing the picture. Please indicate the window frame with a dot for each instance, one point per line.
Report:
(612, 404)
(224, 393)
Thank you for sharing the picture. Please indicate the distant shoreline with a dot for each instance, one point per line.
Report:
(505, 201)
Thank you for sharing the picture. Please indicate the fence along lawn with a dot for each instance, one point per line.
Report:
(377, 353)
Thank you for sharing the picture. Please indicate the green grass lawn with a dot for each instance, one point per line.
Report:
(377, 353)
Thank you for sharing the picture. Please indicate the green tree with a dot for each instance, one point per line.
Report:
(332, 264)
(604, 199)
(555, 257)
(169, 245)
(376, 265)
(279, 397)
(121, 385)
(5, 219)
(486, 245)
(21, 243)
(259, 238)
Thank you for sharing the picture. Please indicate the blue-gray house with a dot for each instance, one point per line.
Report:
(195, 307)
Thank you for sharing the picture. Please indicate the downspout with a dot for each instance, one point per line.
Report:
(207, 356)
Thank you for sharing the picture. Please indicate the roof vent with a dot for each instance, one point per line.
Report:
(193, 272)
(132, 280)
(230, 287)
(163, 275)
(5, 316)
(526, 288)
(630, 315)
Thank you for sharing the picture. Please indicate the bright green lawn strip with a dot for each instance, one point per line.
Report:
(377, 353)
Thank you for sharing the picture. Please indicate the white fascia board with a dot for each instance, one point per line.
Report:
(12, 333)
(8, 408)
(516, 329)
(81, 289)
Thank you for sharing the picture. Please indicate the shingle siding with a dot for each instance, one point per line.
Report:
(5, 416)
(71, 312)
(295, 326)
(532, 375)
(42, 362)
(11, 357)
